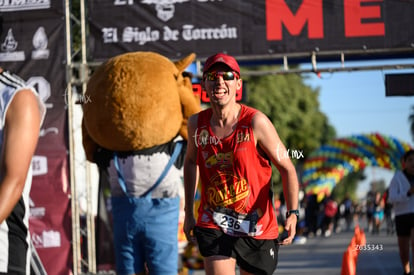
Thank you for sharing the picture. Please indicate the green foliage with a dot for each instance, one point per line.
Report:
(379, 185)
(348, 186)
(293, 108)
(75, 29)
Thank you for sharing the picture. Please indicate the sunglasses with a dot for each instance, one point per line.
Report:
(212, 76)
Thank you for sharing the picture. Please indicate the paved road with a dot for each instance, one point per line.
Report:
(386, 262)
(323, 256)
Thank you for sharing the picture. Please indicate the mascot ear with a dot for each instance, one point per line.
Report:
(190, 103)
(185, 62)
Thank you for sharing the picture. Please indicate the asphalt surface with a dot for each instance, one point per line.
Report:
(320, 255)
(324, 255)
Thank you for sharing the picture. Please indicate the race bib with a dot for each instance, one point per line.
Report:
(231, 224)
(235, 224)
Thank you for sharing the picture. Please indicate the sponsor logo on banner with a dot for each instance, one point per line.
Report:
(165, 9)
(36, 212)
(44, 132)
(40, 44)
(39, 165)
(23, 5)
(187, 33)
(48, 238)
(42, 86)
(8, 49)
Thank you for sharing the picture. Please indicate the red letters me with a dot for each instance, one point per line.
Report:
(311, 12)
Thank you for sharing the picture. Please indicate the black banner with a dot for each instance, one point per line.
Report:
(249, 28)
(32, 45)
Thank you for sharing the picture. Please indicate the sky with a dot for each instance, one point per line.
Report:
(355, 103)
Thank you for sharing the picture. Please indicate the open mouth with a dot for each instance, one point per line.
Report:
(219, 93)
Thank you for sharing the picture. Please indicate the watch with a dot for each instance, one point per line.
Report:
(296, 212)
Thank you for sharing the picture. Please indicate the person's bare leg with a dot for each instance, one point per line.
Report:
(219, 265)
(404, 247)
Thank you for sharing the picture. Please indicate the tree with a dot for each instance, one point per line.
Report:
(348, 185)
(379, 185)
(293, 107)
(75, 29)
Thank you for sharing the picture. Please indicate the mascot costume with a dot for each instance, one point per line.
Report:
(134, 127)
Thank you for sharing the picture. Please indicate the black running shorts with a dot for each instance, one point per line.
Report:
(213, 242)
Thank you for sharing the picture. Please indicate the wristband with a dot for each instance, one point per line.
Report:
(290, 212)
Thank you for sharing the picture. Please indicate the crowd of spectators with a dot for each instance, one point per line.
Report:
(329, 215)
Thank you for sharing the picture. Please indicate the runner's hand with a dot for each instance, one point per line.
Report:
(188, 227)
(290, 227)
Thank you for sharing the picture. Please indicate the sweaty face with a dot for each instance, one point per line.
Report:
(221, 84)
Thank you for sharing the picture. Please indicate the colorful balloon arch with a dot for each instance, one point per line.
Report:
(326, 166)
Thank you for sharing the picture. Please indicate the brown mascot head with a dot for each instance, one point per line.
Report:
(136, 101)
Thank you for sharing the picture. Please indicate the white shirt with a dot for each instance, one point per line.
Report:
(141, 171)
(399, 186)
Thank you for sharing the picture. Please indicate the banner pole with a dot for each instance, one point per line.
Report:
(76, 246)
(90, 219)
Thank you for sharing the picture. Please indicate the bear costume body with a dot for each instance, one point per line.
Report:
(138, 110)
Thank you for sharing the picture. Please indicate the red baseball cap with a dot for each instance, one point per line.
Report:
(228, 60)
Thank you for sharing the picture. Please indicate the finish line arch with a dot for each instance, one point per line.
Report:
(326, 166)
